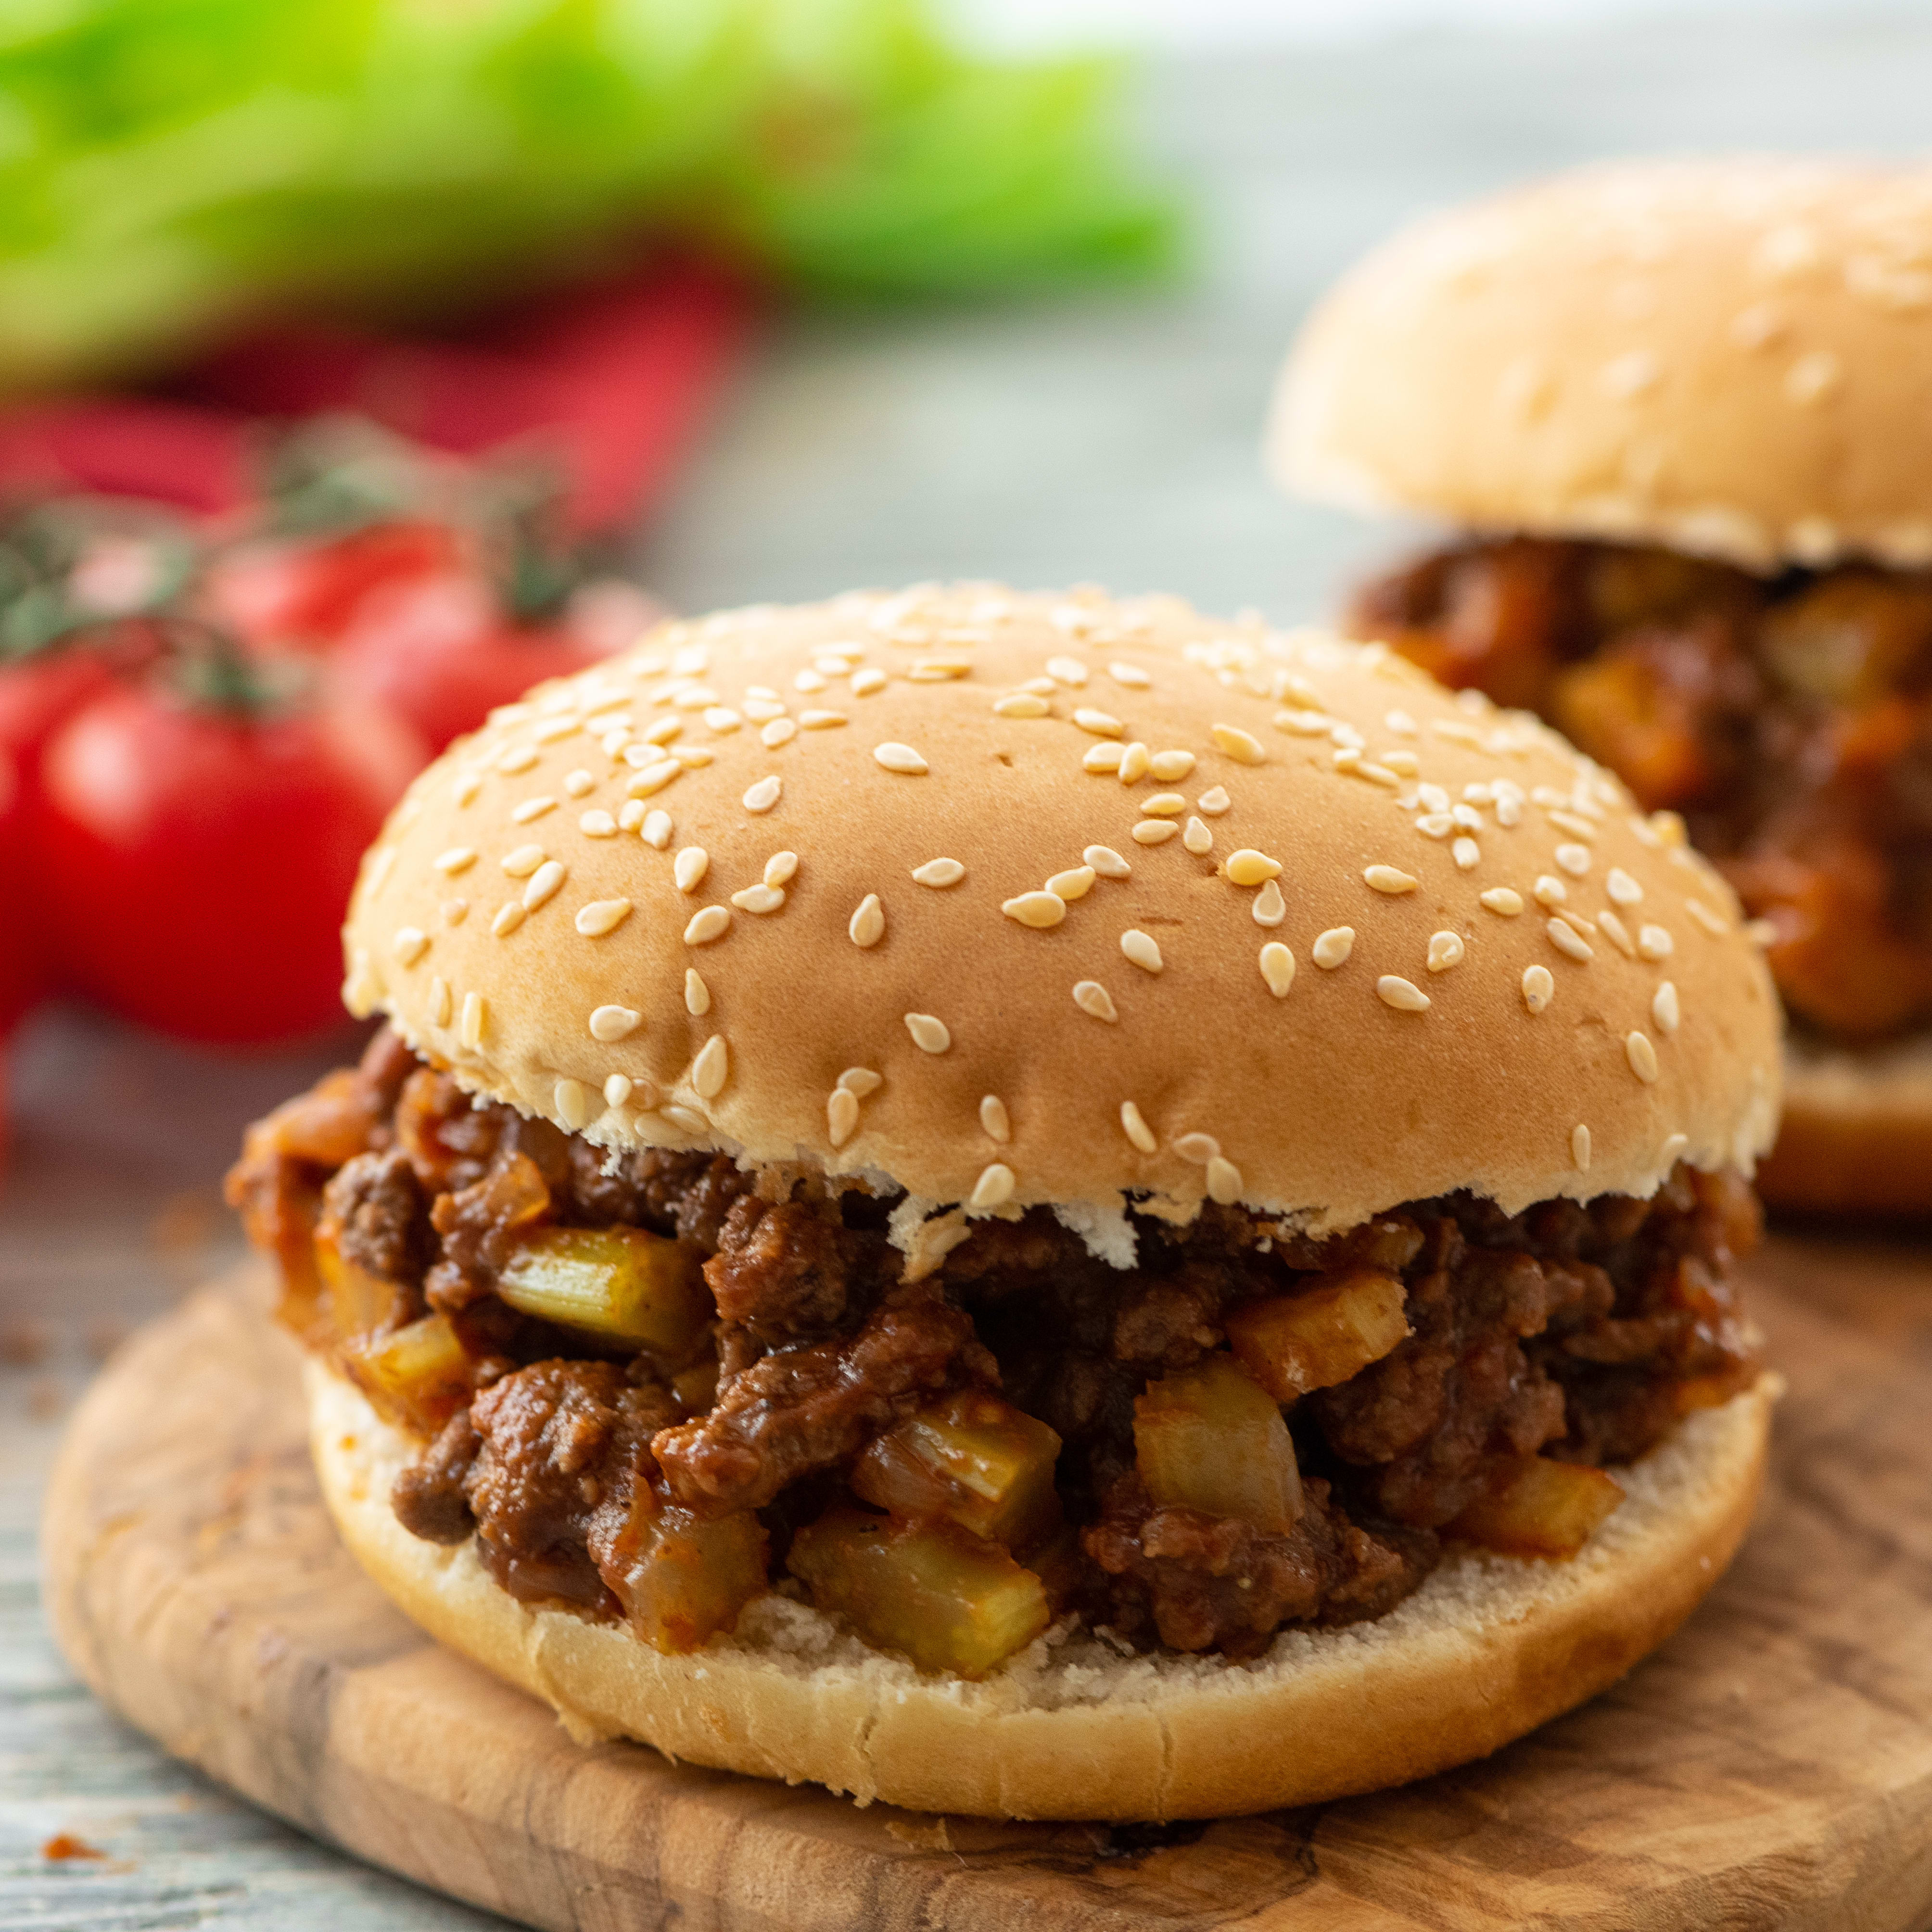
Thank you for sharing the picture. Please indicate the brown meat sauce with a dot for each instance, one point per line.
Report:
(1788, 719)
(1579, 1332)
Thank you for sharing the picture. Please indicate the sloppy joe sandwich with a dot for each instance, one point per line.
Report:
(1682, 414)
(1034, 1206)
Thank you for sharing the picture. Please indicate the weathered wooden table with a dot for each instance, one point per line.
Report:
(1108, 437)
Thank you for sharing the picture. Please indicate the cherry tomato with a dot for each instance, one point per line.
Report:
(305, 593)
(440, 655)
(199, 859)
(38, 694)
(23, 976)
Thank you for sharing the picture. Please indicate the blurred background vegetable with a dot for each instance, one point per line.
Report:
(174, 168)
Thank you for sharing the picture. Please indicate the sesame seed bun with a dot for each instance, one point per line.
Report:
(1489, 1648)
(1857, 1131)
(1731, 357)
(849, 885)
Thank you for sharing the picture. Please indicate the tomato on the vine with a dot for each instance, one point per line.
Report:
(200, 853)
(303, 593)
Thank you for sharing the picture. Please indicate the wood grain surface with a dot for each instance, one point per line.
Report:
(1772, 1766)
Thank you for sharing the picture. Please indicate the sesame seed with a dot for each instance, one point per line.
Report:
(696, 698)
(865, 682)
(1574, 860)
(862, 1080)
(821, 720)
(939, 873)
(1568, 940)
(1467, 817)
(1456, 731)
(841, 1115)
(531, 808)
(1664, 1009)
(1618, 932)
(379, 868)
(722, 718)
(517, 761)
(696, 993)
(1248, 867)
(709, 1070)
(410, 944)
(765, 711)
(1199, 1148)
(759, 899)
(929, 1034)
(1332, 948)
(1135, 764)
(901, 758)
(1153, 831)
(1584, 928)
(1075, 883)
(689, 1118)
(602, 915)
(545, 884)
(1170, 767)
(1436, 825)
(1277, 964)
(439, 1003)
(1303, 724)
(1212, 803)
(713, 922)
(1244, 747)
(509, 915)
(466, 789)
(609, 1023)
(867, 925)
(1040, 687)
(1445, 950)
(655, 829)
(1224, 1181)
(993, 1120)
(1579, 1147)
(1642, 1056)
(779, 731)
(618, 1089)
(475, 1018)
(1197, 838)
(1140, 948)
(1539, 988)
(1465, 852)
(1090, 996)
(1107, 862)
(598, 825)
(1387, 879)
(523, 861)
(1165, 804)
(1132, 676)
(1654, 943)
(766, 793)
(1135, 1129)
(1502, 901)
(1404, 764)
(781, 868)
(1404, 995)
(808, 681)
(1039, 909)
(1103, 758)
(1021, 704)
(1549, 891)
(1577, 825)
(455, 911)
(573, 1104)
(1067, 671)
(653, 778)
(1100, 723)
(995, 1187)
(1706, 918)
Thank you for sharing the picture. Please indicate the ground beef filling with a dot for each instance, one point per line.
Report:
(1788, 718)
(1573, 1333)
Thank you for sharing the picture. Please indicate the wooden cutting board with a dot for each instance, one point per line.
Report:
(1772, 1766)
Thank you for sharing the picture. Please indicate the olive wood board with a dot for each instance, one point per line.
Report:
(1770, 1766)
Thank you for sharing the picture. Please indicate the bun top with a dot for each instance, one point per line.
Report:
(1730, 357)
(1010, 899)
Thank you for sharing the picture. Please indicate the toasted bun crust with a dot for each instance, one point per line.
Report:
(1857, 1132)
(1732, 357)
(1487, 1649)
(998, 1056)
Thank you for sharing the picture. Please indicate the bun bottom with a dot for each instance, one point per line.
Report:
(1487, 1649)
(1857, 1132)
